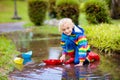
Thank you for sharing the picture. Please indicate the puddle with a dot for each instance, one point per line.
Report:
(48, 47)
(59, 72)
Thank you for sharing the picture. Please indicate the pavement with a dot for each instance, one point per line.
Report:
(11, 27)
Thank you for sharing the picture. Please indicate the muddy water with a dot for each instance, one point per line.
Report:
(47, 47)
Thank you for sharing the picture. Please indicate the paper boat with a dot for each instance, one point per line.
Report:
(53, 62)
(18, 60)
(27, 55)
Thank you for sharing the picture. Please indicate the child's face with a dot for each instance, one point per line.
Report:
(67, 29)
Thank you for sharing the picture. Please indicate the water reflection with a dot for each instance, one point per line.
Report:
(59, 72)
(47, 47)
(86, 72)
(54, 52)
(19, 67)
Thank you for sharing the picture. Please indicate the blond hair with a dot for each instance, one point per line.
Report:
(63, 21)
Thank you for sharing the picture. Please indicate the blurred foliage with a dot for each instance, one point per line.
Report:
(37, 11)
(69, 9)
(7, 53)
(3, 77)
(108, 3)
(72, 2)
(52, 9)
(105, 37)
(97, 12)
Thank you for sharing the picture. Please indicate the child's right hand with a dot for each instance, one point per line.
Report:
(62, 58)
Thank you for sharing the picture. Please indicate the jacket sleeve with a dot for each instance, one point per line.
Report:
(63, 44)
(83, 47)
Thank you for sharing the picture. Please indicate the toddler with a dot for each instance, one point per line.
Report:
(73, 42)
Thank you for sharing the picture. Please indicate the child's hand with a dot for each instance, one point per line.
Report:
(62, 58)
(80, 64)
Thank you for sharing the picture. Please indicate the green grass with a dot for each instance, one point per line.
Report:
(3, 77)
(82, 19)
(7, 11)
(46, 29)
(105, 37)
(7, 52)
(116, 22)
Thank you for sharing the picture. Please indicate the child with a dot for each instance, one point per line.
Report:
(73, 42)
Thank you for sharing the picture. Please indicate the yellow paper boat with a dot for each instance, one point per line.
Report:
(18, 60)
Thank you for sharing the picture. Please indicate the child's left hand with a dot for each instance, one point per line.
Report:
(80, 64)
